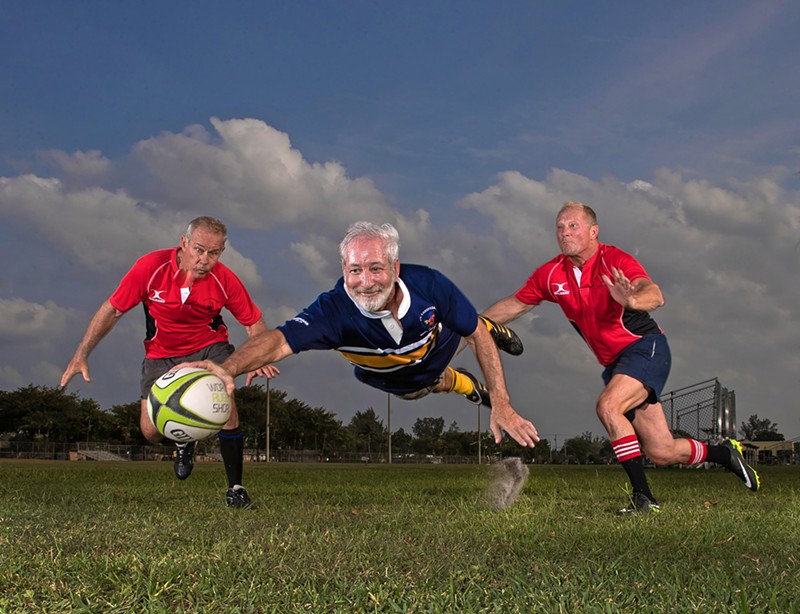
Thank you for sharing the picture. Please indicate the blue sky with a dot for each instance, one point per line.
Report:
(465, 124)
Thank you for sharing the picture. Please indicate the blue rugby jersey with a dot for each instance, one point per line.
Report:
(434, 314)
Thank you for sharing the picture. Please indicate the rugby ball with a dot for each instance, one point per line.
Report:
(189, 404)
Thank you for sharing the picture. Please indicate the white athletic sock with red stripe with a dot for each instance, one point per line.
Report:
(699, 452)
(626, 448)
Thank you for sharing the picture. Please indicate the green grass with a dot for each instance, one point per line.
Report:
(128, 537)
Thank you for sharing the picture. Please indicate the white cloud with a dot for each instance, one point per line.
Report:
(724, 253)
(93, 226)
(244, 267)
(521, 209)
(97, 228)
(29, 331)
(313, 261)
(253, 178)
(31, 322)
(85, 165)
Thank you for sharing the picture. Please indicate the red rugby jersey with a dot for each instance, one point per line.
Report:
(604, 324)
(175, 327)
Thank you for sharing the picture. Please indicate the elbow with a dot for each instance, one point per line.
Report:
(646, 303)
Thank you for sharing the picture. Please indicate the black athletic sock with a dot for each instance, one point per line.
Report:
(231, 445)
(634, 467)
(629, 455)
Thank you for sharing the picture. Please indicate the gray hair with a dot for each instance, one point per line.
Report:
(386, 232)
(211, 224)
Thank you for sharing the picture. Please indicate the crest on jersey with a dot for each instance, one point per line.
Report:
(428, 317)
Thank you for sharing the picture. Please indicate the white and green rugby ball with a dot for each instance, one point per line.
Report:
(189, 404)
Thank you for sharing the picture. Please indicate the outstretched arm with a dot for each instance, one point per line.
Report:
(268, 371)
(258, 351)
(102, 322)
(504, 417)
(507, 309)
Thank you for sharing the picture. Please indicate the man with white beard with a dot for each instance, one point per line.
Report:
(399, 326)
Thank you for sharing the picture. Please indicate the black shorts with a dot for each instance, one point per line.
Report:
(153, 368)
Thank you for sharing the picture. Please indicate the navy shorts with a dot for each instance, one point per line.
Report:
(153, 368)
(647, 360)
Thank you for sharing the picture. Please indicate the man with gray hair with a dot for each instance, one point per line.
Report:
(183, 290)
(399, 326)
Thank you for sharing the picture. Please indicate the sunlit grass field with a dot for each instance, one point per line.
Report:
(128, 537)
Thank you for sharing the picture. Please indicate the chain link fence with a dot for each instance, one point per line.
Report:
(99, 451)
(92, 450)
(705, 411)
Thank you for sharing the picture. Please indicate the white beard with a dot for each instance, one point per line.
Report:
(374, 303)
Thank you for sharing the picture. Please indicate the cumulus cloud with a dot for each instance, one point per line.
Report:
(79, 166)
(521, 209)
(251, 172)
(314, 262)
(725, 254)
(93, 226)
(97, 228)
(30, 322)
(247, 173)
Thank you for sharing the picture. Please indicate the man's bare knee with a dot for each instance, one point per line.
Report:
(605, 411)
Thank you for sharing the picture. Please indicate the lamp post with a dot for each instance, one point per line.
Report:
(266, 443)
(479, 434)
(389, 422)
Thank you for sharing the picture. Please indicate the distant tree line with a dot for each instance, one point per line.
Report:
(40, 413)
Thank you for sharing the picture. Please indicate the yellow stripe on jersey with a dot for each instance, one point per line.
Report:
(389, 360)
